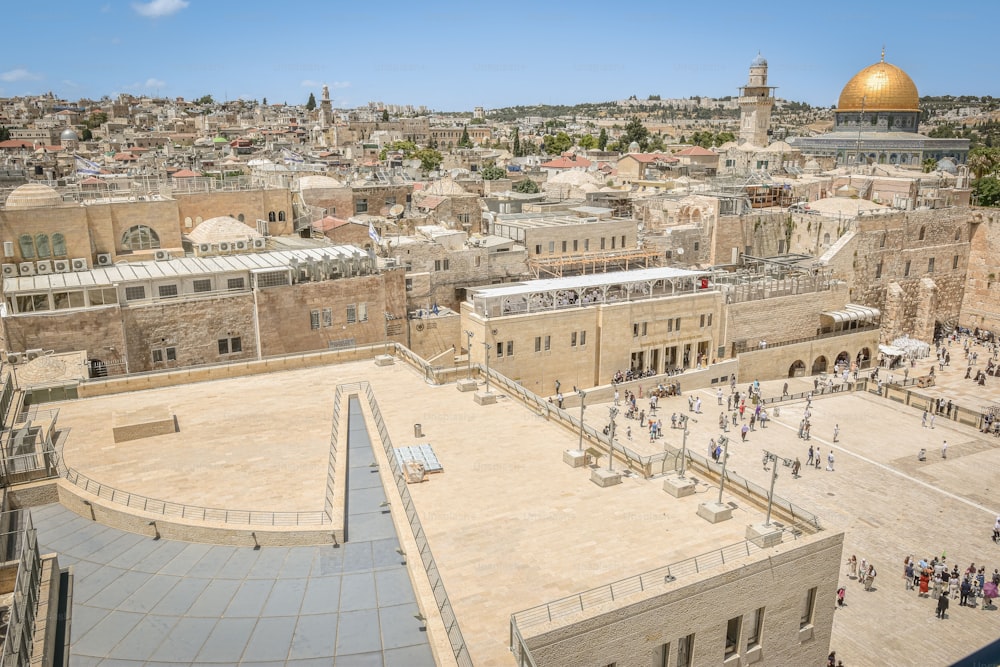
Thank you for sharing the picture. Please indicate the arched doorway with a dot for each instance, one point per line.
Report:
(819, 366)
(797, 369)
(843, 358)
(864, 358)
(98, 369)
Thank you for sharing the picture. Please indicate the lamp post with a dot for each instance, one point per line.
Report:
(583, 395)
(468, 346)
(769, 457)
(486, 344)
(611, 440)
(684, 420)
(725, 457)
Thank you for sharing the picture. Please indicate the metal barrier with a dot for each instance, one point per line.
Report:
(455, 637)
(331, 470)
(21, 628)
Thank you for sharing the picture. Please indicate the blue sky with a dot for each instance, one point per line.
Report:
(452, 56)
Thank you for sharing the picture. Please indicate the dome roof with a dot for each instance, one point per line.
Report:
(759, 61)
(318, 182)
(68, 135)
(880, 87)
(222, 229)
(33, 195)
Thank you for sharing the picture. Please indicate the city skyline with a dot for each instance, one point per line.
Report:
(436, 57)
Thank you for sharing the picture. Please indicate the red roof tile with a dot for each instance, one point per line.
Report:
(696, 150)
(566, 163)
(647, 158)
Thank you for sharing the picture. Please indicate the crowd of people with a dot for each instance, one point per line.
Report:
(932, 579)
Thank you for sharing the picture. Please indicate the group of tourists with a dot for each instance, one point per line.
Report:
(934, 580)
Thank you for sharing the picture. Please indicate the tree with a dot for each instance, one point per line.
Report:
(429, 158)
(636, 132)
(477, 121)
(656, 143)
(86, 135)
(385, 115)
(724, 137)
(4, 133)
(465, 141)
(264, 101)
(587, 142)
(205, 100)
(983, 161)
(311, 104)
(554, 145)
(987, 191)
(527, 187)
(96, 119)
(929, 165)
(602, 139)
(516, 144)
(491, 172)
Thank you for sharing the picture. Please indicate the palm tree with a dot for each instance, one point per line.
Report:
(983, 161)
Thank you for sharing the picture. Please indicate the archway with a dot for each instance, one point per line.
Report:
(819, 366)
(844, 359)
(797, 369)
(864, 358)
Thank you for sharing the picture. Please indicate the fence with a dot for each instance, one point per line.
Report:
(21, 628)
(331, 470)
(744, 346)
(426, 557)
(898, 393)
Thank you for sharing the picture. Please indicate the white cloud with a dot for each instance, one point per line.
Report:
(155, 83)
(160, 8)
(19, 74)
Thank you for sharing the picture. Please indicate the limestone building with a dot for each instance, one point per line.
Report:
(755, 102)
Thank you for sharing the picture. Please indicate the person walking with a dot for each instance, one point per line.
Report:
(796, 467)
(836, 431)
(616, 397)
(908, 574)
(942, 605)
(809, 462)
(718, 395)
(923, 420)
(829, 461)
(743, 433)
(965, 589)
(944, 449)
(870, 577)
(933, 415)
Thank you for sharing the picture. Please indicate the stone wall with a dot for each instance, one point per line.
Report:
(981, 301)
(97, 331)
(253, 205)
(815, 356)
(780, 318)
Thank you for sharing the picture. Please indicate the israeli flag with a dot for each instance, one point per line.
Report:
(84, 166)
(372, 233)
(289, 156)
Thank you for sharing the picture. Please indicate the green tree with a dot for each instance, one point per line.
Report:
(527, 186)
(385, 115)
(4, 133)
(429, 158)
(491, 172)
(602, 139)
(86, 135)
(205, 100)
(554, 145)
(986, 191)
(637, 132)
(929, 165)
(465, 141)
(264, 101)
(96, 119)
(983, 161)
(587, 142)
(477, 121)
(724, 137)
(311, 104)
(656, 143)
(516, 144)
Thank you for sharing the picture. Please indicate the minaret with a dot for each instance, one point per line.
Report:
(325, 109)
(755, 101)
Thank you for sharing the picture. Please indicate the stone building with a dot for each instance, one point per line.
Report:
(981, 301)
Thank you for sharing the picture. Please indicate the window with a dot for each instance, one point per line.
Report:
(140, 237)
(697, 245)
(360, 206)
(538, 343)
(602, 243)
(878, 269)
(702, 323)
(635, 330)
(661, 656)
(390, 201)
(271, 217)
(685, 651)
(102, 297)
(677, 324)
(328, 317)
(576, 245)
(572, 339)
(167, 291)
(920, 237)
(135, 293)
(709, 319)
(58, 245)
(479, 260)
(552, 247)
(272, 279)
(42, 245)
(314, 319)
(203, 285)
(31, 303)
(613, 240)
(230, 345)
(930, 265)
(564, 246)
(906, 268)
(463, 218)
(281, 216)
(645, 328)
(362, 312)
(538, 249)
(27, 246)
(954, 262)
(441, 264)
(732, 636)
(234, 284)
(157, 356)
(808, 607)
(61, 300)
(670, 325)
(583, 338)
(352, 314)
(548, 343)
(510, 348)
(882, 242)
(164, 353)
(586, 245)
(754, 625)
(409, 284)
(499, 350)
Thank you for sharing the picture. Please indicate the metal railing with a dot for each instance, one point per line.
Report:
(17, 647)
(455, 637)
(331, 471)
(193, 512)
(743, 346)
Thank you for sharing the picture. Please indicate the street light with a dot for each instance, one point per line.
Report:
(468, 346)
(611, 440)
(768, 457)
(724, 441)
(583, 395)
(487, 346)
(684, 439)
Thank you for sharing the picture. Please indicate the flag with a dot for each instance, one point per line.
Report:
(372, 233)
(86, 166)
(290, 156)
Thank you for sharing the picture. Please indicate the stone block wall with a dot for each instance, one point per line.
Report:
(780, 318)
(981, 301)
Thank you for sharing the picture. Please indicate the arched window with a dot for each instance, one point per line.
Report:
(241, 218)
(826, 238)
(270, 216)
(281, 216)
(58, 245)
(921, 237)
(42, 245)
(140, 237)
(27, 246)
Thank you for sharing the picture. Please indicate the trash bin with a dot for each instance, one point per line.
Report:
(418, 431)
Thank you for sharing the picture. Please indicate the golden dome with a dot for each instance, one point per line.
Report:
(880, 87)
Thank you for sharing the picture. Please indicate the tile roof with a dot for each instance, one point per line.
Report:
(566, 163)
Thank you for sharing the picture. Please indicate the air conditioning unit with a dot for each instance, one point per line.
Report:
(161, 255)
(80, 264)
(224, 247)
(259, 244)
(9, 270)
(14, 357)
(103, 259)
(204, 248)
(241, 245)
(26, 268)
(44, 267)
(390, 262)
(31, 355)
(61, 266)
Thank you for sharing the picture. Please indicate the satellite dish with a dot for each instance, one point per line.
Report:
(680, 251)
(396, 210)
